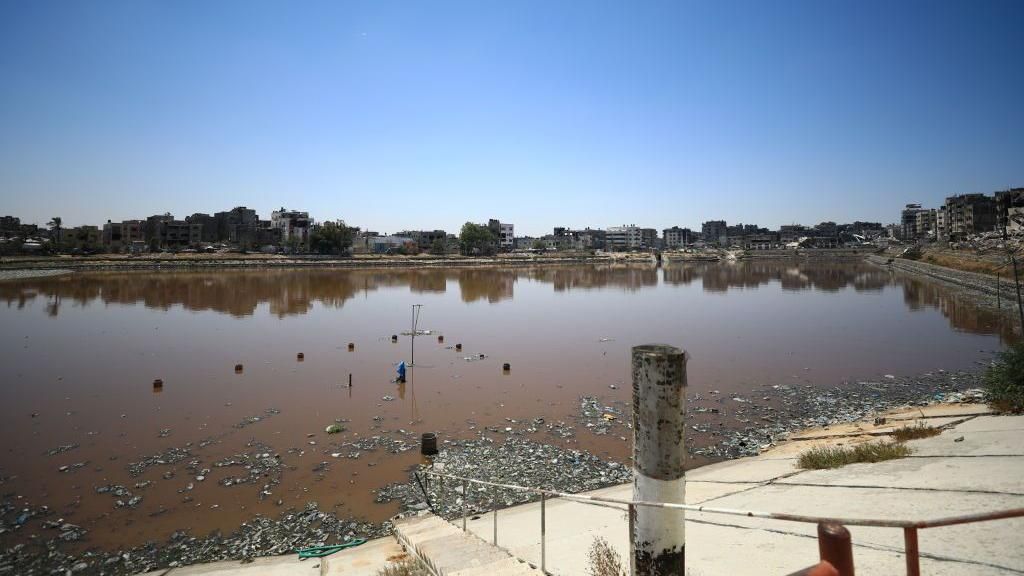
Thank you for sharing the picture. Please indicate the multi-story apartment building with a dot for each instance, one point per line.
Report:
(238, 225)
(676, 237)
(925, 223)
(1006, 201)
(10, 225)
(82, 237)
(209, 228)
(792, 232)
(180, 234)
(425, 239)
(505, 234)
(649, 239)
(294, 226)
(715, 232)
(624, 237)
(968, 214)
(908, 221)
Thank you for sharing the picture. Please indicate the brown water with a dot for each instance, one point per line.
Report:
(79, 353)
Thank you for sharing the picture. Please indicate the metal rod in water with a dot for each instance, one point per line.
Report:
(412, 339)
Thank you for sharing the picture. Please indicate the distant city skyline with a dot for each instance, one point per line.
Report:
(397, 116)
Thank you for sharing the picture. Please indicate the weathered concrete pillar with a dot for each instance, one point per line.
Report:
(659, 414)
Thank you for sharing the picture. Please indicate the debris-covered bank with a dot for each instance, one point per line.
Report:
(746, 425)
(531, 453)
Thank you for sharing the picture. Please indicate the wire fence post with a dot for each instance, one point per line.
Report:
(465, 500)
(543, 527)
(632, 549)
(912, 552)
(495, 514)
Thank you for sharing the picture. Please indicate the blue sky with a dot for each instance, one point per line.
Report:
(420, 114)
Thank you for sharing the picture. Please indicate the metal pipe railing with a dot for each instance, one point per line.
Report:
(877, 522)
(909, 527)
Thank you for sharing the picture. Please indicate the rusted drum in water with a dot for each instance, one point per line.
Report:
(428, 444)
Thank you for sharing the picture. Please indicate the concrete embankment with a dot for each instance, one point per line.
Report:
(983, 288)
(257, 262)
(25, 274)
(975, 465)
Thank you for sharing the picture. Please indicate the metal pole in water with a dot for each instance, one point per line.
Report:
(412, 339)
(659, 414)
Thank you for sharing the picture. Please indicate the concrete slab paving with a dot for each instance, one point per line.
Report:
(946, 479)
(997, 543)
(973, 444)
(938, 410)
(998, 474)
(992, 424)
(754, 469)
(363, 560)
(270, 566)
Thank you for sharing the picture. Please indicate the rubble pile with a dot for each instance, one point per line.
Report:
(785, 409)
(516, 461)
(262, 536)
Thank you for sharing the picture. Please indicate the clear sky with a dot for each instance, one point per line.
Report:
(420, 114)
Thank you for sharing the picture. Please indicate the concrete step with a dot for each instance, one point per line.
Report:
(449, 551)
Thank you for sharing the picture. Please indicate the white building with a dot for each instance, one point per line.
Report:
(624, 237)
(294, 226)
(506, 236)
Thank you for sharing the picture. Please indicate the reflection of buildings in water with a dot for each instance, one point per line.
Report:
(232, 292)
(292, 292)
(489, 284)
(681, 275)
(630, 278)
(829, 277)
(919, 295)
(428, 281)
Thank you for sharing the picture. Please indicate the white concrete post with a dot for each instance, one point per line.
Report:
(659, 422)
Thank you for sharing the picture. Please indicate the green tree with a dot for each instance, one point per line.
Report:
(475, 239)
(55, 229)
(1004, 380)
(331, 238)
(539, 245)
(438, 247)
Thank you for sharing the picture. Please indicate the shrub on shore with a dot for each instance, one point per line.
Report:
(915, 432)
(824, 457)
(1004, 380)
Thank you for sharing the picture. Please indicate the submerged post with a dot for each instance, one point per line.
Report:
(659, 411)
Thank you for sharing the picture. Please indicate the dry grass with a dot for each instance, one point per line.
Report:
(407, 566)
(968, 262)
(915, 432)
(825, 457)
(603, 560)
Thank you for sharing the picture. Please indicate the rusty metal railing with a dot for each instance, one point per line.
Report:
(909, 527)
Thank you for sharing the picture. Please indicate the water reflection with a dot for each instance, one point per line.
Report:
(293, 292)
